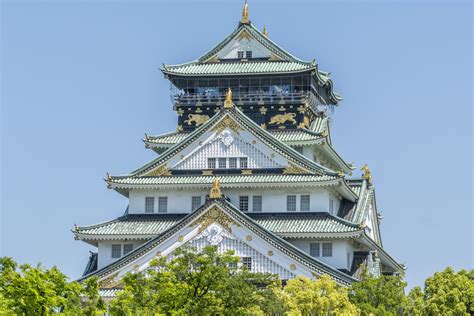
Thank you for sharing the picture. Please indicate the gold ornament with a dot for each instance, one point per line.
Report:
(198, 119)
(214, 215)
(228, 104)
(292, 169)
(245, 14)
(282, 118)
(216, 189)
(227, 122)
(160, 171)
(367, 173)
(265, 32)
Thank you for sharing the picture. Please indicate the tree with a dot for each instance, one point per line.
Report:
(448, 293)
(384, 295)
(194, 283)
(323, 296)
(28, 290)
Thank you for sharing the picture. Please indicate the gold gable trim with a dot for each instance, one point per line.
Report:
(214, 215)
(160, 171)
(292, 169)
(227, 122)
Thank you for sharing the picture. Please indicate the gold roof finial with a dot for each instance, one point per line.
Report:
(367, 173)
(245, 14)
(265, 32)
(228, 99)
(216, 189)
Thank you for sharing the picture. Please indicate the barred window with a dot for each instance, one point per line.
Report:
(116, 250)
(247, 262)
(240, 54)
(127, 248)
(257, 203)
(222, 163)
(291, 203)
(304, 205)
(195, 202)
(248, 54)
(327, 250)
(243, 163)
(314, 249)
(232, 163)
(331, 206)
(149, 204)
(244, 203)
(162, 204)
(211, 163)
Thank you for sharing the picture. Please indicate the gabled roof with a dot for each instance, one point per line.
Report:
(139, 226)
(301, 258)
(281, 62)
(233, 114)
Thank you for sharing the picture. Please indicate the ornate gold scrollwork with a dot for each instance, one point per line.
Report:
(292, 169)
(160, 171)
(227, 122)
(214, 215)
(216, 189)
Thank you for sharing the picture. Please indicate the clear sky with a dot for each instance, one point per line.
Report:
(81, 85)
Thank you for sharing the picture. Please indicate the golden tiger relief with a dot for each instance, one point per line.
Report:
(282, 118)
(197, 119)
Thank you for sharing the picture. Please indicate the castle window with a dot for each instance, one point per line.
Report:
(247, 262)
(116, 251)
(195, 202)
(222, 163)
(291, 203)
(240, 54)
(304, 205)
(244, 203)
(331, 206)
(211, 163)
(149, 204)
(127, 248)
(327, 250)
(232, 163)
(314, 249)
(162, 204)
(257, 203)
(243, 163)
(248, 54)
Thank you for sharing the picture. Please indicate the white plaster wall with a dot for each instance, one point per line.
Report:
(105, 250)
(179, 201)
(340, 249)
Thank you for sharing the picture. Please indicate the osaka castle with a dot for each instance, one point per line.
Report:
(251, 168)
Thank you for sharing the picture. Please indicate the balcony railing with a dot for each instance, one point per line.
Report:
(202, 99)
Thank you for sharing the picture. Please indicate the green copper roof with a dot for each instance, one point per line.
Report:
(283, 224)
(235, 68)
(226, 180)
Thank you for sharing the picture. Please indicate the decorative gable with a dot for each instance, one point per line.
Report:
(244, 42)
(228, 144)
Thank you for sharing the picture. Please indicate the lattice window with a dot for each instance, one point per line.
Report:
(127, 248)
(211, 163)
(222, 163)
(233, 163)
(304, 203)
(291, 203)
(327, 250)
(257, 203)
(248, 54)
(162, 204)
(243, 163)
(195, 202)
(244, 203)
(149, 204)
(116, 250)
(247, 263)
(240, 54)
(314, 249)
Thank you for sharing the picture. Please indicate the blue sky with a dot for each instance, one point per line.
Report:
(81, 85)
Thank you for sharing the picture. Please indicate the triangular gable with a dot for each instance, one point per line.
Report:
(230, 119)
(218, 219)
(247, 34)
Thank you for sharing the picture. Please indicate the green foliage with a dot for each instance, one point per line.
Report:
(27, 290)
(193, 283)
(448, 293)
(384, 295)
(323, 296)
